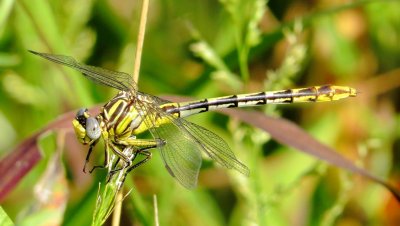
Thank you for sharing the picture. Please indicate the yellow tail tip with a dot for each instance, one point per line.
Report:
(352, 92)
(344, 92)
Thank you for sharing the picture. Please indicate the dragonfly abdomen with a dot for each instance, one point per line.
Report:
(311, 94)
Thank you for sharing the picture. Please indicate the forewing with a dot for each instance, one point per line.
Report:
(215, 147)
(118, 80)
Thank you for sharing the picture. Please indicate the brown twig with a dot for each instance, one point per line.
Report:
(136, 69)
(140, 40)
(155, 204)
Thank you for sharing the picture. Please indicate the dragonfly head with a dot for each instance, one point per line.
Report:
(87, 128)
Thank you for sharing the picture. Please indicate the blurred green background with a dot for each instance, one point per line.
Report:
(206, 48)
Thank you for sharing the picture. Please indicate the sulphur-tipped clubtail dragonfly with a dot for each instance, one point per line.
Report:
(180, 142)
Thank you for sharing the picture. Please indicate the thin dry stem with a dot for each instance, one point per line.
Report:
(136, 69)
(117, 210)
(142, 30)
(156, 221)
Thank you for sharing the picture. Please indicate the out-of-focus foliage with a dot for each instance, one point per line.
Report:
(204, 49)
(4, 219)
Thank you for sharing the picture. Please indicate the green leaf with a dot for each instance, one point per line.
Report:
(4, 219)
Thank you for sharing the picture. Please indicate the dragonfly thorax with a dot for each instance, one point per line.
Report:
(122, 116)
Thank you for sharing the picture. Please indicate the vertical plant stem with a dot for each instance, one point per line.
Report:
(156, 221)
(116, 218)
(136, 70)
(142, 29)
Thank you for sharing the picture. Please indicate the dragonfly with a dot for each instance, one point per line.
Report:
(180, 142)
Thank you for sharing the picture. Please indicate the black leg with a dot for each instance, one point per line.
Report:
(115, 169)
(135, 150)
(106, 160)
(140, 151)
(147, 155)
(92, 145)
(133, 157)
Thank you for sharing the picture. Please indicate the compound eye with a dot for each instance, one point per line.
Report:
(81, 116)
(93, 130)
(81, 112)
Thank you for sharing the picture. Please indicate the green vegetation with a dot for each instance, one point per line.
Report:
(207, 49)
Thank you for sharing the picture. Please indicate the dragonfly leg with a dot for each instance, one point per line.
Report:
(147, 155)
(91, 147)
(145, 146)
(106, 160)
(126, 164)
(142, 143)
(117, 151)
(142, 148)
(137, 146)
(123, 155)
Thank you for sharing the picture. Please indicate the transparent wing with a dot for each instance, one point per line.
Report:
(184, 143)
(118, 80)
(215, 147)
(181, 154)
